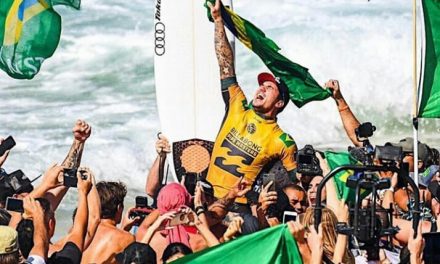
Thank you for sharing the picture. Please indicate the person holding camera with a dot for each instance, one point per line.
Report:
(43, 224)
(249, 136)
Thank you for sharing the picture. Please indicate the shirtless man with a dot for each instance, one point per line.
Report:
(109, 240)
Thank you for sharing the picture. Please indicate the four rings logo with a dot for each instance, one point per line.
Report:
(159, 38)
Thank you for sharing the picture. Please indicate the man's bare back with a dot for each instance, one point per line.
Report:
(107, 243)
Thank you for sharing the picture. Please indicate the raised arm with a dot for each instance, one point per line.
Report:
(349, 121)
(218, 210)
(154, 179)
(34, 211)
(94, 206)
(81, 131)
(82, 214)
(223, 49)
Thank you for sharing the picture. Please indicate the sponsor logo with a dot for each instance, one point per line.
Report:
(159, 32)
(251, 128)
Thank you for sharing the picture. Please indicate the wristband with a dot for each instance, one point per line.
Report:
(199, 210)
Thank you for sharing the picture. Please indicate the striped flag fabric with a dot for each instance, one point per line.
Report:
(336, 159)
(302, 87)
(273, 245)
(29, 33)
(430, 80)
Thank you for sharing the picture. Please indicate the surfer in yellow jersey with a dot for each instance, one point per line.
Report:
(249, 136)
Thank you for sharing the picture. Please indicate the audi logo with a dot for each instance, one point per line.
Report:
(159, 38)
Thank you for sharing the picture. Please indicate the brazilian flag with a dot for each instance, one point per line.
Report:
(302, 87)
(271, 245)
(29, 33)
(337, 159)
(430, 86)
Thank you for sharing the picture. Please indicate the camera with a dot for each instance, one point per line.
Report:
(364, 131)
(141, 209)
(18, 182)
(70, 179)
(365, 153)
(308, 163)
(388, 155)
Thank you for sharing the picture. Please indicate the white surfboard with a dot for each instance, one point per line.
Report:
(186, 71)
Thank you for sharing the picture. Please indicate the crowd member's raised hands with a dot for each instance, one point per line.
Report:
(5, 155)
(416, 245)
(85, 178)
(34, 211)
(267, 197)
(315, 242)
(81, 130)
(162, 144)
(234, 228)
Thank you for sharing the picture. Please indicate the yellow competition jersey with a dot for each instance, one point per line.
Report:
(245, 143)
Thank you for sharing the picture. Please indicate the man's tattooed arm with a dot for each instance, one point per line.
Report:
(223, 51)
(73, 158)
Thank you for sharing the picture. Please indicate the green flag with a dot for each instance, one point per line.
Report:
(302, 87)
(430, 89)
(336, 159)
(271, 245)
(29, 33)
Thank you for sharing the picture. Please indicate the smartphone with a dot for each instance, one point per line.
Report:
(180, 219)
(15, 205)
(289, 216)
(69, 177)
(269, 177)
(6, 145)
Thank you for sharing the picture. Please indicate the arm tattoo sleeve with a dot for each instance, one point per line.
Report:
(223, 51)
(73, 158)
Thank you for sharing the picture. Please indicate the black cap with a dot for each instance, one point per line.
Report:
(137, 253)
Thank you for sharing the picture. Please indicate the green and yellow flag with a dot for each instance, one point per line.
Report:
(302, 87)
(336, 159)
(430, 89)
(272, 245)
(29, 33)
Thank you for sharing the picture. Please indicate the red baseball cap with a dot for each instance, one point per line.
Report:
(282, 88)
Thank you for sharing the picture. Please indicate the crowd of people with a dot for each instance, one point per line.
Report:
(229, 202)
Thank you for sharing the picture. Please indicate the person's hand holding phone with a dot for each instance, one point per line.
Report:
(267, 197)
(84, 176)
(32, 209)
(5, 146)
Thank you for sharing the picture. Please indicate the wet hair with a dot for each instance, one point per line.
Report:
(111, 195)
(25, 230)
(174, 248)
(329, 235)
(10, 258)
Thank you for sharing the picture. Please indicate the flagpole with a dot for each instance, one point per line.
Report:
(415, 102)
